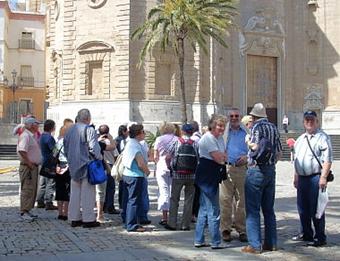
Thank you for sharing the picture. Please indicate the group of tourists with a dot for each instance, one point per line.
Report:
(228, 176)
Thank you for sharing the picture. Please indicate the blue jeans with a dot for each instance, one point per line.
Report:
(134, 186)
(144, 209)
(307, 200)
(209, 212)
(110, 192)
(260, 193)
(46, 190)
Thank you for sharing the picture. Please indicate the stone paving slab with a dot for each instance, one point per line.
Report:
(52, 239)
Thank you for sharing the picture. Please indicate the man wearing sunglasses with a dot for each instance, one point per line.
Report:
(232, 189)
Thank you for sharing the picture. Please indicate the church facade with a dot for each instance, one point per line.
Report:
(284, 53)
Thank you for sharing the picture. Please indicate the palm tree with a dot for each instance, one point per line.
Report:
(173, 22)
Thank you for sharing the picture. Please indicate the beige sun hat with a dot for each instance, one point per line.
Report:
(259, 111)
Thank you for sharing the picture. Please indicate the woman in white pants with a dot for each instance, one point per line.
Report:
(162, 144)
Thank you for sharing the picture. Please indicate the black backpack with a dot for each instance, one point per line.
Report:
(264, 152)
(186, 159)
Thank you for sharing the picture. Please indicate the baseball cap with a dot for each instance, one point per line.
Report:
(310, 114)
(31, 120)
(187, 128)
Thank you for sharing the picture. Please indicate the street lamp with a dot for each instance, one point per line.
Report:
(13, 87)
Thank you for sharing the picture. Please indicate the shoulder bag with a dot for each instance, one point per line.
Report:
(330, 176)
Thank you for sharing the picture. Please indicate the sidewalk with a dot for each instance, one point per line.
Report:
(51, 239)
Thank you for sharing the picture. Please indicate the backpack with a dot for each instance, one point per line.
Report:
(186, 159)
(264, 152)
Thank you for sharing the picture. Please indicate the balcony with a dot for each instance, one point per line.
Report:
(26, 43)
(25, 81)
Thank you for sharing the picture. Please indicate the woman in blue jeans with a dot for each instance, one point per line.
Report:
(208, 175)
(136, 169)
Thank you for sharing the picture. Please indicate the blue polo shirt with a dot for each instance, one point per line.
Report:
(236, 146)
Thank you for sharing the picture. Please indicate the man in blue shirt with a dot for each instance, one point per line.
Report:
(232, 189)
(47, 185)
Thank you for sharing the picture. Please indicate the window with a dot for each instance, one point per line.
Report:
(26, 41)
(26, 76)
(94, 76)
(25, 107)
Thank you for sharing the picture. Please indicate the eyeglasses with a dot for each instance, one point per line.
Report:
(234, 116)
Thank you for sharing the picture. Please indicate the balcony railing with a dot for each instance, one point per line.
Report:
(25, 81)
(26, 44)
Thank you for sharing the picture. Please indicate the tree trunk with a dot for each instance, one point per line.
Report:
(181, 77)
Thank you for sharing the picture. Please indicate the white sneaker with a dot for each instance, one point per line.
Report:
(26, 217)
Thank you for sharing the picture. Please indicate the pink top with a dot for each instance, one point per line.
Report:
(29, 144)
(162, 144)
(290, 142)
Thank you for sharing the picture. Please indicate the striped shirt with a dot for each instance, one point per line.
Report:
(264, 129)
(305, 163)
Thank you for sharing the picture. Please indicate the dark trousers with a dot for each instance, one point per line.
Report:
(120, 193)
(196, 203)
(134, 186)
(307, 200)
(110, 192)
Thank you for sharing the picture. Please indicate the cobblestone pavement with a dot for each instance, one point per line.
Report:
(51, 239)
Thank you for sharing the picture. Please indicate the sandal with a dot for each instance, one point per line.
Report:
(163, 222)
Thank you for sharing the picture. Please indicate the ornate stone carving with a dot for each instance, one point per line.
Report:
(96, 3)
(56, 10)
(313, 100)
(263, 34)
(264, 21)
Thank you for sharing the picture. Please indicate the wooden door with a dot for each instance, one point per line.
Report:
(262, 84)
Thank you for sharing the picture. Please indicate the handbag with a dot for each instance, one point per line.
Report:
(53, 160)
(118, 168)
(47, 172)
(330, 176)
(95, 172)
(95, 169)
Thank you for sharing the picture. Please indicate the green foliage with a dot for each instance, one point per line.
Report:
(193, 20)
(150, 138)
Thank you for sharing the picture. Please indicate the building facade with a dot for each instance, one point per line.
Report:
(284, 54)
(22, 64)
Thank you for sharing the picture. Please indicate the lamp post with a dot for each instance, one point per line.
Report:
(13, 87)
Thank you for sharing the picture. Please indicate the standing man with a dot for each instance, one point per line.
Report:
(260, 182)
(80, 145)
(110, 153)
(47, 185)
(30, 158)
(232, 189)
(285, 123)
(310, 177)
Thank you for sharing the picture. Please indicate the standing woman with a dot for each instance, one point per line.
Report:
(163, 177)
(208, 176)
(135, 161)
(62, 179)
